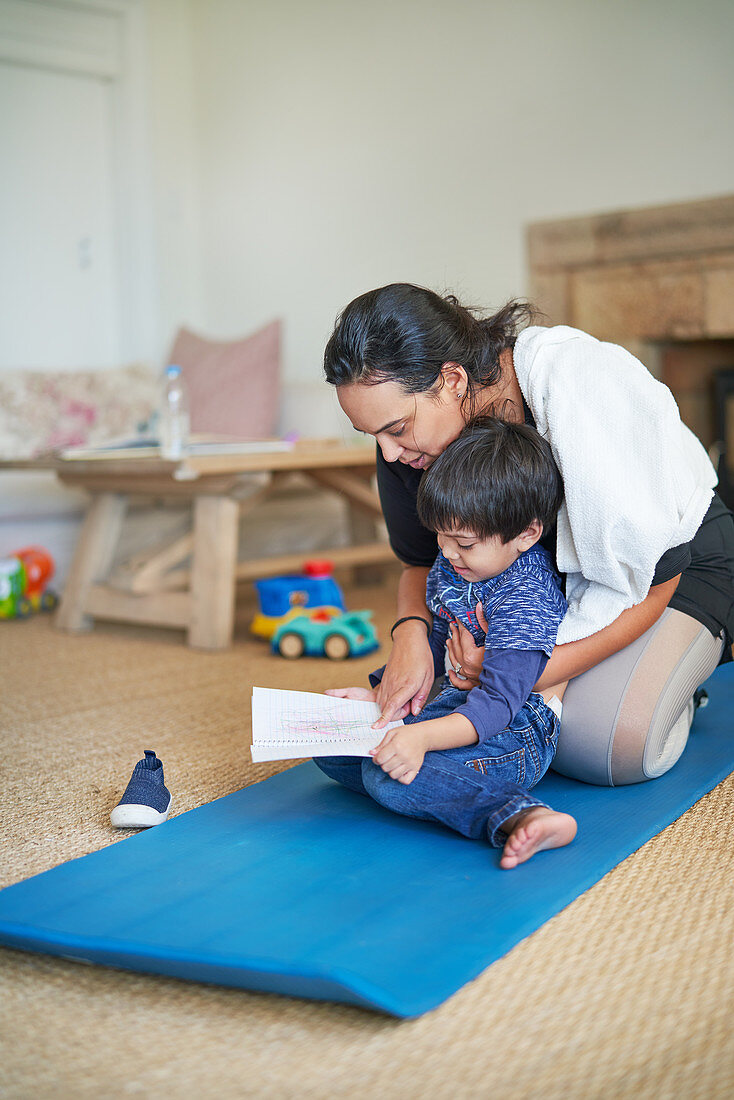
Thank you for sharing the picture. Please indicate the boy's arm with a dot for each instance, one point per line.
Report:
(521, 635)
(506, 680)
(401, 751)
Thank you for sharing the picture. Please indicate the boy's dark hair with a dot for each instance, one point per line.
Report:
(494, 479)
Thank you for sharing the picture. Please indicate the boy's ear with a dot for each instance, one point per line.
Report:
(530, 535)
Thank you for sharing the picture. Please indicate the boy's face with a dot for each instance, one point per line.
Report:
(476, 559)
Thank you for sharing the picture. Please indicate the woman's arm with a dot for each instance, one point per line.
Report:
(573, 658)
(412, 593)
(409, 673)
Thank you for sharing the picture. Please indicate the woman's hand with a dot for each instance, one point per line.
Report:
(408, 675)
(463, 651)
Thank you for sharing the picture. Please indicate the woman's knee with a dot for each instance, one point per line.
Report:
(627, 719)
(640, 746)
(630, 747)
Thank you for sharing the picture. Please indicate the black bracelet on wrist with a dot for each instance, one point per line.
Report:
(407, 618)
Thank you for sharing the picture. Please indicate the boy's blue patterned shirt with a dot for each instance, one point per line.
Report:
(524, 605)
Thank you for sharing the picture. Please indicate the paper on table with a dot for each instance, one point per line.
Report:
(288, 725)
(198, 445)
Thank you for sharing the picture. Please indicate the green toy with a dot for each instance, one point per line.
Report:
(14, 604)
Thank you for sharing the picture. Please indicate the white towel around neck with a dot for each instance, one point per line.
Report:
(637, 481)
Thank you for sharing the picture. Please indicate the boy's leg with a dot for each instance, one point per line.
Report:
(450, 793)
(347, 770)
(475, 790)
(535, 831)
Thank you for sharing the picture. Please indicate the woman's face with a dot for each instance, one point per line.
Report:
(414, 428)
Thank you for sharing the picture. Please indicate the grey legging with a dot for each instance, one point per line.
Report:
(627, 719)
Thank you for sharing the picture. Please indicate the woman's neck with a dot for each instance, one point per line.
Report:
(505, 398)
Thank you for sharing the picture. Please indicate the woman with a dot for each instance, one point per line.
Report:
(646, 546)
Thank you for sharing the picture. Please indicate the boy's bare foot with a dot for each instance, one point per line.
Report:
(534, 831)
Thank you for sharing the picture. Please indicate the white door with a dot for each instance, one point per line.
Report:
(59, 293)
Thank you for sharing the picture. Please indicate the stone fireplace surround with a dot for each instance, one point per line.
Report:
(659, 281)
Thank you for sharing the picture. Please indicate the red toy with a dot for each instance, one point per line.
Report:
(39, 568)
(25, 575)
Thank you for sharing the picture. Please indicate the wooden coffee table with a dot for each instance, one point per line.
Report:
(159, 588)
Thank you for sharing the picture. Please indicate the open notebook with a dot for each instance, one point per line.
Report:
(290, 725)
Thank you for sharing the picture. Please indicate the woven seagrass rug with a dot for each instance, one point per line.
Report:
(627, 992)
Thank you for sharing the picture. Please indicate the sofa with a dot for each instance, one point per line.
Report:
(235, 388)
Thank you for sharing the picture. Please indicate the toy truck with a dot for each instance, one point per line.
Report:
(305, 614)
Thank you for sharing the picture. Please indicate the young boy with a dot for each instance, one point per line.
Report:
(471, 758)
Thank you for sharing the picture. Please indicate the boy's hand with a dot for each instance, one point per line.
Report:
(401, 752)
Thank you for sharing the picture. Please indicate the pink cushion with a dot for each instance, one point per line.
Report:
(233, 387)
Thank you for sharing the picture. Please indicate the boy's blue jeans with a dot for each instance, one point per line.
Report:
(473, 789)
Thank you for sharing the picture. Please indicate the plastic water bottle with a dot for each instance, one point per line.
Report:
(173, 429)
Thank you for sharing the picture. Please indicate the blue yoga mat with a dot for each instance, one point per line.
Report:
(298, 886)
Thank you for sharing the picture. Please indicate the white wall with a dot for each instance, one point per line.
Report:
(175, 157)
(339, 145)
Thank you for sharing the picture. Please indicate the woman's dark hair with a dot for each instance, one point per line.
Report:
(405, 333)
(494, 479)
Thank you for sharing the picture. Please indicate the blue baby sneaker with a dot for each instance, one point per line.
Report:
(146, 800)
